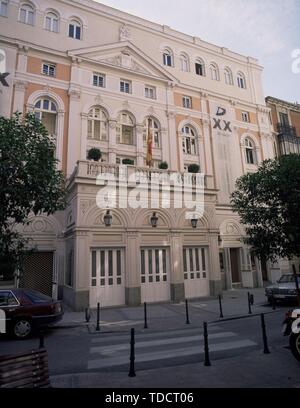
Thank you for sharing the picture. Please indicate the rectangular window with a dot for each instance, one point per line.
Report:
(184, 261)
(110, 263)
(75, 31)
(125, 87)
(102, 264)
(150, 92)
(246, 117)
(99, 80)
(3, 8)
(119, 265)
(150, 262)
(49, 69)
(71, 31)
(187, 102)
(203, 259)
(191, 260)
(199, 69)
(284, 119)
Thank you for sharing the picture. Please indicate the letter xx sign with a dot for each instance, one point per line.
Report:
(218, 125)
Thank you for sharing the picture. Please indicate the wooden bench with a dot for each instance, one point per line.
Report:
(26, 370)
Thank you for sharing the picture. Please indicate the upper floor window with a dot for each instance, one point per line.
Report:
(46, 112)
(200, 67)
(241, 80)
(97, 124)
(214, 72)
(228, 76)
(49, 69)
(125, 129)
(187, 102)
(189, 141)
(52, 22)
(125, 86)
(284, 119)
(246, 117)
(152, 125)
(99, 80)
(150, 92)
(250, 152)
(3, 8)
(26, 14)
(168, 58)
(75, 29)
(184, 62)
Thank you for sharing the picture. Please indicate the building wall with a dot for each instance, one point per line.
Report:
(215, 117)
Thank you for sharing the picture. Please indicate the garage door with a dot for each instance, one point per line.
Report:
(155, 279)
(107, 278)
(195, 265)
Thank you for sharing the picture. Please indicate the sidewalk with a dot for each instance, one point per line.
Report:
(234, 302)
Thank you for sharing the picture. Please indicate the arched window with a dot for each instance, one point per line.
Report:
(214, 72)
(189, 141)
(200, 67)
(168, 58)
(125, 129)
(97, 124)
(241, 80)
(250, 151)
(184, 62)
(52, 22)
(75, 29)
(155, 132)
(46, 111)
(3, 8)
(26, 14)
(228, 76)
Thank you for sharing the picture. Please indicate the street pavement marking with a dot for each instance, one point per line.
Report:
(156, 343)
(146, 335)
(166, 354)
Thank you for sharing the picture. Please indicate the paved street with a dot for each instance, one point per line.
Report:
(170, 353)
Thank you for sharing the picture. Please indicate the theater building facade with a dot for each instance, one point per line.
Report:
(99, 78)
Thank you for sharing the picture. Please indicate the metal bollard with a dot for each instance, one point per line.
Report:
(187, 312)
(132, 354)
(42, 340)
(264, 333)
(87, 315)
(249, 303)
(207, 362)
(145, 316)
(221, 307)
(98, 318)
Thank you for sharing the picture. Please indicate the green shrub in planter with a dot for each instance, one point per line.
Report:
(164, 166)
(194, 168)
(94, 154)
(128, 162)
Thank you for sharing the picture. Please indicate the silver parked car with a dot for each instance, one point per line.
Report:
(284, 289)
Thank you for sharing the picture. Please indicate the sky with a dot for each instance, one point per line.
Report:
(265, 29)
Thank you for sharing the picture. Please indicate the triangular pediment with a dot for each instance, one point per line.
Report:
(125, 56)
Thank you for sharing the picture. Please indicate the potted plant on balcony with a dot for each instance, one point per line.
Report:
(94, 154)
(163, 166)
(194, 168)
(128, 162)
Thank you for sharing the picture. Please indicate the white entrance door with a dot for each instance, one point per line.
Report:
(155, 277)
(195, 265)
(107, 277)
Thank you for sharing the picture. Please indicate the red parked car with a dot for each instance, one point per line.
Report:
(26, 310)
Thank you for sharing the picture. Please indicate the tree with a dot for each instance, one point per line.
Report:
(268, 203)
(30, 183)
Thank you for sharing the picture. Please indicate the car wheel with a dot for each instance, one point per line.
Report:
(295, 345)
(22, 328)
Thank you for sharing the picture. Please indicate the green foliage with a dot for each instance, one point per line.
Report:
(30, 184)
(194, 168)
(128, 162)
(94, 154)
(268, 204)
(163, 166)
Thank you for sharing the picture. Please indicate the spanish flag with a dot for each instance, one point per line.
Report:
(149, 145)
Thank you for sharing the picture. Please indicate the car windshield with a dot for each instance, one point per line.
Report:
(288, 279)
(37, 297)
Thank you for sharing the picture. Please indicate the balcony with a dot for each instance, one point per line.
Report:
(89, 171)
(288, 141)
(288, 130)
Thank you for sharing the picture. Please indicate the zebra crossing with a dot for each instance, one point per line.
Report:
(111, 351)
